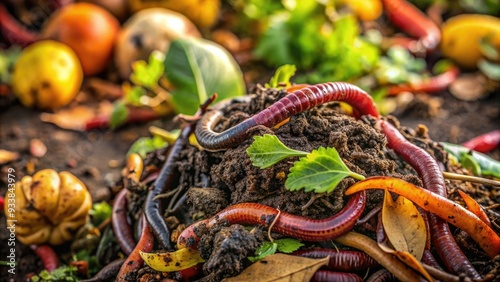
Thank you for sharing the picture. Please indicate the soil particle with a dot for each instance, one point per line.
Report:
(202, 198)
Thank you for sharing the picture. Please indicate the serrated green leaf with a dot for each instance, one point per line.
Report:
(267, 150)
(267, 248)
(320, 171)
(197, 68)
(288, 245)
(282, 76)
(148, 73)
(119, 115)
(145, 145)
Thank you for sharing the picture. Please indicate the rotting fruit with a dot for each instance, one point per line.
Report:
(47, 75)
(50, 207)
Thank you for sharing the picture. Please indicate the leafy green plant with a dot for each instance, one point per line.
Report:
(284, 245)
(62, 273)
(320, 170)
(145, 145)
(179, 81)
(100, 212)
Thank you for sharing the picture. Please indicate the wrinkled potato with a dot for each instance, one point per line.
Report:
(146, 31)
(50, 207)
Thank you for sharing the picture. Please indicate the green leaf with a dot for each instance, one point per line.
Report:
(267, 150)
(288, 245)
(267, 248)
(148, 74)
(490, 69)
(489, 166)
(320, 171)
(100, 212)
(145, 145)
(470, 163)
(133, 96)
(274, 45)
(198, 68)
(282, 76)
(488, 48)
(119, 115)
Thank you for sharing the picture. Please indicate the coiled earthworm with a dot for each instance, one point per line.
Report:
(343, 260)
(134, 260)
(165, 180)
(291, 104)
(432, 178)
(412, 21)
(327, 275)
(121, 226)
(49, 258)
(313, 230)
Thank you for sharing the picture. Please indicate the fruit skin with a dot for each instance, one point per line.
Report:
(204, 13)
(49, 207)
(47, 75)
(146, 31)
(89, 30)
(461, 36)
(365, 10)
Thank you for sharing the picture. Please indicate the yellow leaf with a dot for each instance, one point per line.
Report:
(404, 226)
(172, 261)
(280, 268)
(407, 259)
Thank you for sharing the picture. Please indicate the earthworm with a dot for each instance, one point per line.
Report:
(327, 275)
(165, 180)
(13, 31)
(432, 178)
(381, 275)
(134, 260)
(107, 273)
(313, 230)
(121, 226)
(291, 104)
(343, 260)
(484, 142)
(49, 258)
(435, 84)
(135, 115)
(412, 21)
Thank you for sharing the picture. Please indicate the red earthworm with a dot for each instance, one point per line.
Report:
(2, 202)
(327, 275)
(134, 260)
(484, 142)
(135, 115)
(343, 260)
(49, 258)
(382, 275)
(432, 178)
(107, 273)
(291, 104)
(164, 182)
(314, 230)
(13, 31)
(435, 84)
(121, 226)
(412, 21)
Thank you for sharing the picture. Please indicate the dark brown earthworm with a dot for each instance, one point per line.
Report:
(107, 273)
(120, 223)
(432, 178)
(341, 260)
(293, 103)
(313, 230)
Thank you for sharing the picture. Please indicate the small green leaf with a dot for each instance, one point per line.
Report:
(198, 68)
(119, 115)
(267, 150)
(470, 163)
(320, 171)
(100, 212)
(148, 74)
(145, 145)
(267, 248)
(288, 245)
(282, 76)
(133, 96)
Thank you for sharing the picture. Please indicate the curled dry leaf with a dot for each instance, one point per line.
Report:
(7, 156)
(76, 118)
(404, 226)
(280, 268)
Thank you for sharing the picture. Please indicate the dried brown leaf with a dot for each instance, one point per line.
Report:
(77, 117)
(404, 226)
(407, 259)
(280, 268)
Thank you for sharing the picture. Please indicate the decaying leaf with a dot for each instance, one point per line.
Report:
(408, 259)
(7, 156)
(404, 226)
(76, 118)
(280, 267)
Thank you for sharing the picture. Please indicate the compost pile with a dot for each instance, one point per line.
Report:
(214, 180)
